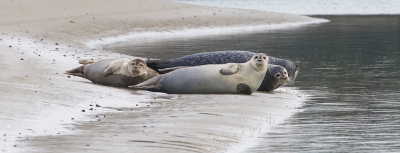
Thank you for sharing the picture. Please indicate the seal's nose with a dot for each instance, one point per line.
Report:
(285, 78)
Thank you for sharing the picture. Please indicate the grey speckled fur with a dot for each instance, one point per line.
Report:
(222, 57)
(94, 73)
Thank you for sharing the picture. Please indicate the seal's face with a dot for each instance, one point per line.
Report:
(259, 61)
(138, 67)
(292, 69)
(282, 76)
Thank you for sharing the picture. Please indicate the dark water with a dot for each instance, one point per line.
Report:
(350, 65)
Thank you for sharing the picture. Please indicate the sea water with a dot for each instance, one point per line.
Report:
(349, 65)
(308, 7)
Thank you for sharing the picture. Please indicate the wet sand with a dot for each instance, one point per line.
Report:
(43, 108)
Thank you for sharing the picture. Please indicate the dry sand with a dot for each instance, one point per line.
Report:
(42, 107)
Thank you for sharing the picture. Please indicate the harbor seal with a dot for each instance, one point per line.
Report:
(114, 72)
(231, 78)
(275, 77)
(222, 57)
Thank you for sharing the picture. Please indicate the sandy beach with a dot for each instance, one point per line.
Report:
(45, 110)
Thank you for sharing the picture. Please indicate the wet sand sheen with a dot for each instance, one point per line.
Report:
(180, 123)
(39, 42)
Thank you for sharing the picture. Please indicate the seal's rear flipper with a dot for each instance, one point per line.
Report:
(155, 88)
(76, 71)
(135, 87)
(157, 64)
(167, 70)
(149, 84)
(244, 89)
(82, 61)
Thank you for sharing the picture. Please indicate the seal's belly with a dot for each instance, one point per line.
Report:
(94, 73)
(202, 80)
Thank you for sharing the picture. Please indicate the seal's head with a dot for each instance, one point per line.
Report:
(137, 67)
(292, 69)
(259, 61)
(280, 74)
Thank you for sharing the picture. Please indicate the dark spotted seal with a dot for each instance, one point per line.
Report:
(231, 78)
(222, 57)
(274, 78)
(114, 72)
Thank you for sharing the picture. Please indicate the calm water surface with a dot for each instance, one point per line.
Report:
(350, 65)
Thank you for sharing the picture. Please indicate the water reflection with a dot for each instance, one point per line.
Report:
(351, 66)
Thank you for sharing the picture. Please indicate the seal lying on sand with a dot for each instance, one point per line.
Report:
(274, 78)
(222, 57)
(231, 78)
(114, 72)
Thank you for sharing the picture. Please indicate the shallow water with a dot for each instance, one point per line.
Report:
(350, 65)
(308, 7)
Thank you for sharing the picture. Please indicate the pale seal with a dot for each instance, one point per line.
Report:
(114, 72)
(223, 57)
(274, 78)
(231, 78)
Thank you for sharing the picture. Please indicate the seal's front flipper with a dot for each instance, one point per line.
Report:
(167, 70)
(151, 83)
(244, 89)
(114, 66)
(232, 68)
(109, 70)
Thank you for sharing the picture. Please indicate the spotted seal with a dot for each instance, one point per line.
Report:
(231, 78)
(222, 57)
(114, 72)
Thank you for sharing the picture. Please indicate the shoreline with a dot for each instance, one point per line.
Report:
(39, 98)
(192, 33)
(66, 24)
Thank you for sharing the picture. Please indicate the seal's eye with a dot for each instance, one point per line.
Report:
(278, 75)
(284, 72)
(264, 57)
(133, 63)
(140, 64)
(256, 57)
